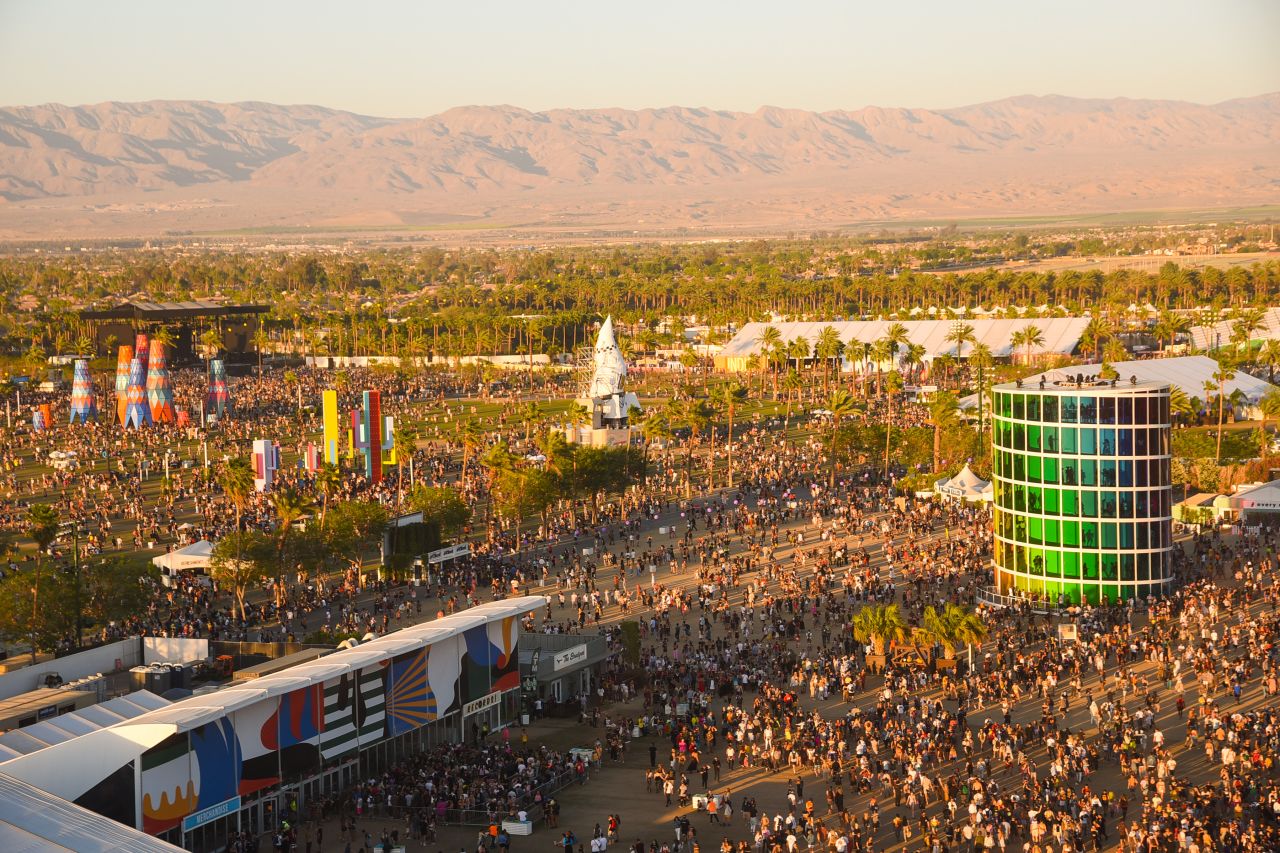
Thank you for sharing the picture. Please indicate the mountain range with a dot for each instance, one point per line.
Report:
(141, 169)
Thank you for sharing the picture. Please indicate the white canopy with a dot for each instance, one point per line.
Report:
(966, 486)
(194, 556)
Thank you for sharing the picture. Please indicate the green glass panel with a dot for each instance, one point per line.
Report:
(1089, 564)
(1050, 502)
(1049, 409)
(1070, 502)
(1126, 535)
(1033, 499)
(1108, 535)
(1088, 441)
(1089, 504)
(1110, 566)
(1049, 469)
(1033, 468)
(1070, 564)
(1050, 437)
(1033, 407)
(1033, 438)
(1068, 438)
(1107, 504)
(1127, 568)
(1051, 566)
(1089, 534)
(1088, 472)
(1069, 408)
(1071, 533)
(1035, 528)
(1019, 407)
(1052, 533)
(1106, 442)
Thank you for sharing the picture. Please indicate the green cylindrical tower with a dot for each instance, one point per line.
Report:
(1082, 491)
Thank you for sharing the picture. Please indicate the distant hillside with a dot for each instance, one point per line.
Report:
(176, 164)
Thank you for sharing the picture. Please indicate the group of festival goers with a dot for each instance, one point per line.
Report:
(1154, 728)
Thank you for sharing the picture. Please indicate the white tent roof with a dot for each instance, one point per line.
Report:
(194, 556)
(32, 821)
(29, 739)
(1219, 334)
(966, 485)
(1263, 496)
(1061, 334)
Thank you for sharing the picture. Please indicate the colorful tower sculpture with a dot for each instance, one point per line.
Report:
(311, 457)
(137, 413)
(122, 381)
(141, 344)
(38, 421)
(84, 405)
(372, 436)
(266, 460)
(332, 430)
(159, 386)
(219, 394)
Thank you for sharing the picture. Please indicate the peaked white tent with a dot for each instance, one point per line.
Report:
(966, 486)
(194, 556)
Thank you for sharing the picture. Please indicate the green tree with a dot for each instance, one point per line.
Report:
(239, 560)
(42, 527)
(1269, 406)
(441, 505)
(892, 387)
(118, 587)
(944, 411)
(771, 346)
(960, 334)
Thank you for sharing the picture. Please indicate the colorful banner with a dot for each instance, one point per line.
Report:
(123, 360)
(266, 461)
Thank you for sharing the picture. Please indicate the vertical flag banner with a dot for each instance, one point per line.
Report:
(332, 433)
(266, 460)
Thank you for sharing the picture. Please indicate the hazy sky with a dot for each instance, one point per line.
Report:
(416, 57)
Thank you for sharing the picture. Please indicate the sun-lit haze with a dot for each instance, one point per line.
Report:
(415, 58)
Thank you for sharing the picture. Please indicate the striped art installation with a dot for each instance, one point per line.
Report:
(137, 413)
(159, 386)
(84, 405)
(311, 457)
(219, 394)
(332, 434)
(372, 436)
(38, 421)
(266, 460)
(122, 381)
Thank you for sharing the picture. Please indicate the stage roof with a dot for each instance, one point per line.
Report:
(31, 821)
(139, 310)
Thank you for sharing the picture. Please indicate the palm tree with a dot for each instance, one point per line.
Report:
(1269, 357)
(1224, 374)
(943, 412)
(236, 480)
(655, 426)
(42, 527)
(880, 625)
(1248, 321)
(530, 416)
(792, 384)
(1180, 405)
(290, 504)
(729, 397)
(696, 415)
(954, 625)
(405, 441)
(771, 343)
(1269, 406)
(960, 334)
(912, 360)
(1095, 332)
(328, 480)
(1031, 337)
(827, 349)
(982, 359)
(472, 437)
(842, 405)
(892, 386)
(882, 351)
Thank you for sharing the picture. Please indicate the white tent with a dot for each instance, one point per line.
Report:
(194, 556)
(966, 486)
